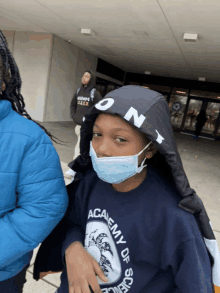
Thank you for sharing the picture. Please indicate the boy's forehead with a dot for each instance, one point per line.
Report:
(115, 121)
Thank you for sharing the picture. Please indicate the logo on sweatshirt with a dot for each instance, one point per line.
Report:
(105, 242)
(100, 244)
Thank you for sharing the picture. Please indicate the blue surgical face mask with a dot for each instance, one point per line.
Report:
(116, 169)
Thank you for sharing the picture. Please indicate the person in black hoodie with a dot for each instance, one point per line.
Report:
(85, 97)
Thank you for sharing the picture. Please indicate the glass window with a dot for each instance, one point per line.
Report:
(133, 83)
(205, 94)
(158, 88)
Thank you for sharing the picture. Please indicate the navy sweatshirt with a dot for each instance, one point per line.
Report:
(142, 240)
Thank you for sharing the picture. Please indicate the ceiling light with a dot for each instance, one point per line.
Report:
(202, 78)
(190, 37)
(147, 72)
(179, 92)
(88, 32)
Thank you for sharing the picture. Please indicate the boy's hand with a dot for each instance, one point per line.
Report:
(82, 270)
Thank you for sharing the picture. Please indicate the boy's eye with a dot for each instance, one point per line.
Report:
(121, 139)
(118, 139)
(96, 134)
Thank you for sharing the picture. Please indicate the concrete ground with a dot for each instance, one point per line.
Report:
(201, 161)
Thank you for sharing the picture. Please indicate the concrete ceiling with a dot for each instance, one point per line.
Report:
(162, 51)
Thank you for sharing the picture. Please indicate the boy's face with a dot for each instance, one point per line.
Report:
(86, 77)
(113, 137)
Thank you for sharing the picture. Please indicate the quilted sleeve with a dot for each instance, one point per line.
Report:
(42, 201)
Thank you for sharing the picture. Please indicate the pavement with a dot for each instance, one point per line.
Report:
(201, 161)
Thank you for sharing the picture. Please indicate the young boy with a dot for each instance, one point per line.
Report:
(133, 220)
(84, 98)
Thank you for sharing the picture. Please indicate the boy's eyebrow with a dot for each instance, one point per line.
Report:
(116, 129)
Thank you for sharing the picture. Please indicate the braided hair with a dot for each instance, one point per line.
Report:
(10, 76)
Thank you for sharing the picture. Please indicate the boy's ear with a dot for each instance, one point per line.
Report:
(151, 152)
(149, 155)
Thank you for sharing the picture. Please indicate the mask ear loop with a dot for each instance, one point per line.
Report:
(142, 166)
(144, 148)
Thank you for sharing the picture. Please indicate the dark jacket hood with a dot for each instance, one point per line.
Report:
(149, 112)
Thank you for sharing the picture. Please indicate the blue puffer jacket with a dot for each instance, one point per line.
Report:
(33, 197)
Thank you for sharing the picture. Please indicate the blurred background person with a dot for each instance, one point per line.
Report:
(85, 97)
(201, 120)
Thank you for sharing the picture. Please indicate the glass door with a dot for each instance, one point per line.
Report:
(110, 87)
(101, 86)
(177, 106)
(193, 110)
(104, 86)
(212, 114)
(212, 110)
